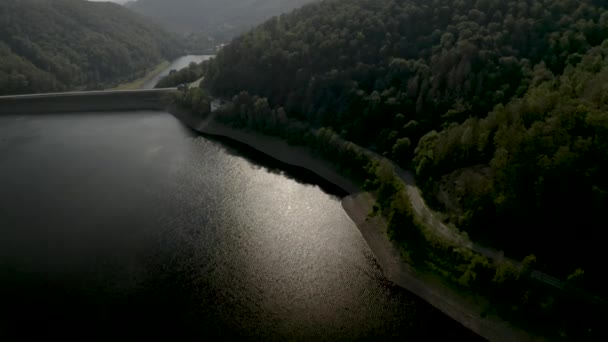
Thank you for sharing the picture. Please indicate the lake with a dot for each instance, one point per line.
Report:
(114, 222)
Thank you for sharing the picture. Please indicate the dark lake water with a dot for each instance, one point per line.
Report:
(130, 221)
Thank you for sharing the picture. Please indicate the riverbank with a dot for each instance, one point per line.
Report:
(466, 309)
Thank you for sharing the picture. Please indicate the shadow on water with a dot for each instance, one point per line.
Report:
(261, 160)
(164, 305)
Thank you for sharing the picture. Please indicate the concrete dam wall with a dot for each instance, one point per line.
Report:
(89, 101)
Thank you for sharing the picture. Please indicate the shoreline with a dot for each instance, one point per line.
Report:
(275, 148)
(463, 308)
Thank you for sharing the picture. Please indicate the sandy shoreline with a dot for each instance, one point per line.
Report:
(463, 308)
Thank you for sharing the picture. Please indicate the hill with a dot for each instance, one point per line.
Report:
(499, 107)
(66, 44)
(386, 73)
(356, 65)
(218, 19)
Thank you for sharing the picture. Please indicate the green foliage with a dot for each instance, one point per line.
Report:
(402, 150)
(368, 68)
(501, 104)
(576, 279)
(253, 112)
(384, 183)
(65, 44)
(528, 265)
(506, 272)
(532, 167)
(184, 76)
(473, 270)
(196, 100)
(576, 275)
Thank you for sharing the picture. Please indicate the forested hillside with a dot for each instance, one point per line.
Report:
(530, 176)
(356, 65)
(512, 93)
(220, 20)
(55, 45)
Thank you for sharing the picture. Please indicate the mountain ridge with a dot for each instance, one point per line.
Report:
(221, 20)
(69, 44)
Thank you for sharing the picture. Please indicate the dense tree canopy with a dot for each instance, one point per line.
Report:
(186, 75)
(502, 104)
(380, 71)
(64, 44)
(500, 107)
(531, 175)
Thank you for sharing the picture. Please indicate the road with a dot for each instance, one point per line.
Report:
(453, 235)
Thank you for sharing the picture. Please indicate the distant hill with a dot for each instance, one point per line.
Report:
(219, 19)
(55, 45)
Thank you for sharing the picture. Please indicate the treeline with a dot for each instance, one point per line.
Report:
(67, 44)
(186, 75)
(254, 113)
(377, 71)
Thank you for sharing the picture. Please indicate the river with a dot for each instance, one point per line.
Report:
(131, 221)
(177, 64)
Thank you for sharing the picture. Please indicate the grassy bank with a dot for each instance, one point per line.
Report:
(138, 83)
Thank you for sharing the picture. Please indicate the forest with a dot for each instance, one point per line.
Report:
(529, 175)
(432, 85)
(499, 107)
(56, 45)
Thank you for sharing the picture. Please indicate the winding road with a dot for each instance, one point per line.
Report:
(430, 219)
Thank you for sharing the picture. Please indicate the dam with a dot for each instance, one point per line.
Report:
(87, 101)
